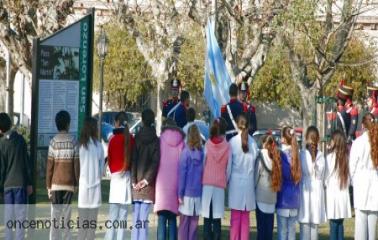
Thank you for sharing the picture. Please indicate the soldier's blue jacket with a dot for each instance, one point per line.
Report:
(348, 123)
(168, 105)
(353, 116)
(236, 108)
(179, 115)
(251, 112)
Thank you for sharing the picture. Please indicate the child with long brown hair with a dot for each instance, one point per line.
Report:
(91, 155)
(214, 182)
(288, 197)
(241, 192)
(337, 185)
(312, 205)
(190, 185)
(363, 167)
(268, 181)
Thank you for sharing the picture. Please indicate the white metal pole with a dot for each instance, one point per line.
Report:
(22, 100)
(215, 7)
(101, 96)
(8, 80)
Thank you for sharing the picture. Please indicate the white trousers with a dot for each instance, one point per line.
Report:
(365, 225)
(308, 231)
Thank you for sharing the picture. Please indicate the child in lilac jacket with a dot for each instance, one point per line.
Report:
(190, 185)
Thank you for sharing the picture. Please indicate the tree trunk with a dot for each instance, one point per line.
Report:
(161, 75)
(308, 108)
(3, 86)
(321, 123)
(159, 99)
(10, 90)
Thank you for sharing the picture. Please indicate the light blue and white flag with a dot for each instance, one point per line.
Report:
(217, 79)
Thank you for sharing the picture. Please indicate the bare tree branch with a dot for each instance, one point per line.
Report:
(21, 21)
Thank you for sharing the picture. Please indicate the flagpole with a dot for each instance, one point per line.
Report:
(215, 3)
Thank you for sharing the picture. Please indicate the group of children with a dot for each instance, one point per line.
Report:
(177, 174)
(181, 176)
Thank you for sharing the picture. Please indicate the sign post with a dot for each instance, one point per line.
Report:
(62, 80)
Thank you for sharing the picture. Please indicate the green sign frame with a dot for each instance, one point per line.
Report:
(62, 77)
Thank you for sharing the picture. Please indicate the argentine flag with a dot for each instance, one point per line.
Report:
(217, 80)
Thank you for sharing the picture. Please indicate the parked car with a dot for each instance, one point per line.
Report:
(259, 135)
(108, 122)
(276, 133)
(107, 126)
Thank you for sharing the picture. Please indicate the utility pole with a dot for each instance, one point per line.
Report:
(102, 50)
(22, 109)
(215, 7)
(8, 81)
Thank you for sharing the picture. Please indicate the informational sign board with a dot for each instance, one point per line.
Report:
(62, 80)
(59, 81)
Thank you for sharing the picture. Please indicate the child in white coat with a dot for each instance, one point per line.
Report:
(337, 185)
(91, 168)
(119, 161)
(363, 167)
(312, 204)
(268, 181)
(241, 192)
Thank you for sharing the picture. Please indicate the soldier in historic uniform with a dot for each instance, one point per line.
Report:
(345, 118)
(178, 112)
(352, 111)
(173, 100)
(232, 110)
(244, 97)
(372, 101)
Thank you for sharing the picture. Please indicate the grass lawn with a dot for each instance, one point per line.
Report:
(43, 211)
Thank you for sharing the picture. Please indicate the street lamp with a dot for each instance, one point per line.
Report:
(102, 50)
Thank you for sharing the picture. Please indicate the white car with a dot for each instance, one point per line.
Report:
(107, 132)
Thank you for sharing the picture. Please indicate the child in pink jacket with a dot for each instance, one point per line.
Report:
(166, 201)
(214, 181)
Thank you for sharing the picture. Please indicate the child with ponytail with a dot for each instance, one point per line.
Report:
(119, 160)
(241, 192)
(217, 158)
(312, 202)
(337, 185)
(268, 181)
(363, 167)
(288, 197)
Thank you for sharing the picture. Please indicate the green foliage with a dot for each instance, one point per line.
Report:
(298, 11)
(127, 76)
(273, 82)
(192, 60)
(25, 132)
(358, 71)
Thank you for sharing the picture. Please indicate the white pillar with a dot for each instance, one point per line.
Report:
(8, 69)
(22, 105)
